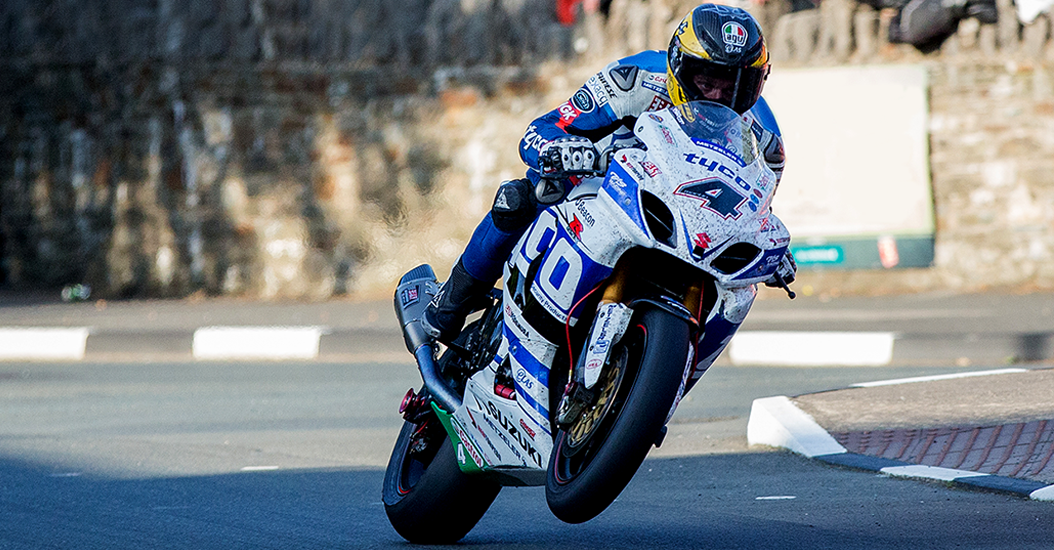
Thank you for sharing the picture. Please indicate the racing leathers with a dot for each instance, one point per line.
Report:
(604, 110)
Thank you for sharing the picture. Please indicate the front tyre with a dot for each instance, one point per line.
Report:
(596, 456)
(427, 497)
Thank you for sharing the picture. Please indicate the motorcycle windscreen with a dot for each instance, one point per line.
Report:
(714, 126)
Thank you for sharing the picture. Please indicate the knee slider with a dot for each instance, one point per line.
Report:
(514, 205)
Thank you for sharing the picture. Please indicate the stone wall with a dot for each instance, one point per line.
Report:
(268, 148)
(991, 143)
(311, 148)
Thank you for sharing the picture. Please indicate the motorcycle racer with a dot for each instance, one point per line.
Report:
(716, 54)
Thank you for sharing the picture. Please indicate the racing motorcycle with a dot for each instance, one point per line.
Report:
(613, 305)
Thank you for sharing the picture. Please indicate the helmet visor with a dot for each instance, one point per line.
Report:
(735, 87)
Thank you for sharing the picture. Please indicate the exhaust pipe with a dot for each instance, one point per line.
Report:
(415, 290)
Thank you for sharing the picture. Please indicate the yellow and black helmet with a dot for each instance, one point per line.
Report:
(717, 54)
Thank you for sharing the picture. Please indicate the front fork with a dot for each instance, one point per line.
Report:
(614, 314)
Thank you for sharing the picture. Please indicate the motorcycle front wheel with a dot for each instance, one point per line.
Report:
(427, 498)
(596, 456)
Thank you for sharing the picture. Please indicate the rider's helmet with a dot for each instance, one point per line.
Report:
(717, 54)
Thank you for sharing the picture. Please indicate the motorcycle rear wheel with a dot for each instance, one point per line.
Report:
(582, 481)
(428, 499)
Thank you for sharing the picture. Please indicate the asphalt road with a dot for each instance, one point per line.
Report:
(290, 455)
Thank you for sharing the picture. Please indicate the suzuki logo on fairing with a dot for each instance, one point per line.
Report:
(511, 428)
(575, 227)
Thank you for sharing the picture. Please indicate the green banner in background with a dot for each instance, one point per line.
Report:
(886, 252)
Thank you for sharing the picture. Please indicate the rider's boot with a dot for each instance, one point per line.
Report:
(445, 315)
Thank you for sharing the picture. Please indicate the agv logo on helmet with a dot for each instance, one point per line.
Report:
(735, 36)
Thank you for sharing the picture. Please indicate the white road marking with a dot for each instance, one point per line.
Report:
(259, 468)
(786, 348)
(51, 343)
(933, 378)
(929, 472)
(256, 342)
(1046, 493)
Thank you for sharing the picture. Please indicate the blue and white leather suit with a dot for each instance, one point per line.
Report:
(604, 110)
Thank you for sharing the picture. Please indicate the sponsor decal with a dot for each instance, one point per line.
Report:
(501, 434)
(734, 35)
(667, 135)
(532, 139)
(656, 83)
(514, 431)
(716, 166)
(465, 444)
(515, 320)
(568, 114)
(767, 264)
(523, 379)
(549, 191)
(583, 101)
(658, 103)
(526, 429)
(482, 433)
(631, 167)
(575, 227)
(702, 242)
(756, 129)
(502, 201)
(581, 206)
(682, 27)
(764, 181)
(650, 168)
(600, 89)
(718, 149)
(624, 77)
(411, 296)
(655, 117)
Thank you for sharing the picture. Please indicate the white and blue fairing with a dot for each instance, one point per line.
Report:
(699, 192)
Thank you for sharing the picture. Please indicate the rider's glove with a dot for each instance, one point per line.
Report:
(786, 270)
(567, 156)
(772, 151)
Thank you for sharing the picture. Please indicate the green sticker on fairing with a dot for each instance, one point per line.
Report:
(469, 459)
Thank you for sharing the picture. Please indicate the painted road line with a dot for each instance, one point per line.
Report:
(1046, 493)
(256, 342)
(929, 472)
(811, 348)
(43, 343)
(777, 422)
(935, 378)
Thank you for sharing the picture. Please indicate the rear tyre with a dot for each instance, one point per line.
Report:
(427, 498)
(592, 463)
